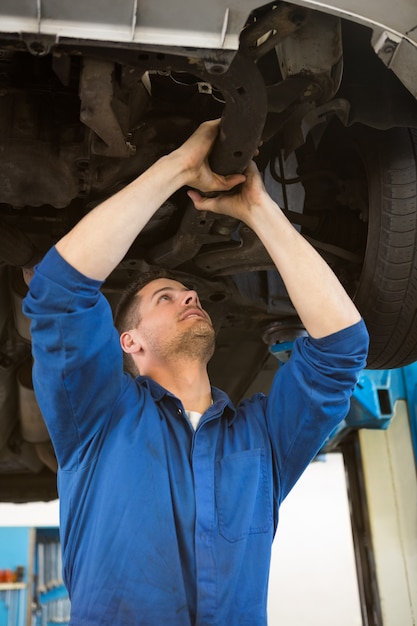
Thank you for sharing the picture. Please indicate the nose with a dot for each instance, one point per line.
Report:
(191, 297)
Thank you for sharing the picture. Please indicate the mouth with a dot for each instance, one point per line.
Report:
(194, 313)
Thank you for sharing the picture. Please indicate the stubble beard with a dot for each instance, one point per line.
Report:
(195, 343)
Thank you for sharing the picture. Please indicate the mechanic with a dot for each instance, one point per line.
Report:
(168, 518)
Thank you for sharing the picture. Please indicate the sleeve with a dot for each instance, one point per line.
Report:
(310, 396)
(78, 366)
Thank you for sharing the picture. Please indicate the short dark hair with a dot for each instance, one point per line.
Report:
(127, 313)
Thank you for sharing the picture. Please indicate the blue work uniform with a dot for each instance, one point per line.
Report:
(161, 524)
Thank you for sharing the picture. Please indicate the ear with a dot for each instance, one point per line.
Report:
(130, 342)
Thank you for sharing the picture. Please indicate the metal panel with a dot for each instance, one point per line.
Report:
(214, 24)
(198, 24)
(391, 492)
(399, 18)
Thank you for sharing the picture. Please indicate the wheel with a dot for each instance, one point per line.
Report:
(387, 292)
(376, 175)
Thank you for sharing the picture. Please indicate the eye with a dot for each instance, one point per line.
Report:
(165, 297)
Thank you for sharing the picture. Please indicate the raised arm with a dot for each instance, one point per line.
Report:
(320, 300)
(101, 239)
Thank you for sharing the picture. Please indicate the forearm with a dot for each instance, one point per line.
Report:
(320, 300)
(101, 239)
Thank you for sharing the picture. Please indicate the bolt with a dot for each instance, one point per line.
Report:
(38, 48)
(215, 68)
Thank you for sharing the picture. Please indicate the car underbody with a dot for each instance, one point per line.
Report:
(333, 115)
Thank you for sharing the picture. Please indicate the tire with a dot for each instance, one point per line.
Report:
(384, 181)
(387, 291)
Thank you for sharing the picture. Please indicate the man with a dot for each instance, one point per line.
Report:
(169, 519)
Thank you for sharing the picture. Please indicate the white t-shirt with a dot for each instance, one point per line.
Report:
(194, 417)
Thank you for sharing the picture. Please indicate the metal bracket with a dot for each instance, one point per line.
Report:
(372, 404)
(386, 46)
(282, 351)
(373, 401)
(96, 93)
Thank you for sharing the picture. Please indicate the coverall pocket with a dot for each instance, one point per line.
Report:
(243, 497)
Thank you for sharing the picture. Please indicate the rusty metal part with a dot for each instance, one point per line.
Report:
(96, 93)
(235, 257)
(283, 331)
(246, 107)
(193, 232)
(263, 34)
(241, 85)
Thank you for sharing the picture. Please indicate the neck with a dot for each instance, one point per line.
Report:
(187, 380)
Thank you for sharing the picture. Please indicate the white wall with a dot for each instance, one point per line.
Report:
(313, 576)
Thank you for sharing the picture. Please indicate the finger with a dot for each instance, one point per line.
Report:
(197, 200)
(221, 183)
(202, 203)
(252, 168)
(207, 131)
(195, 196)
(232, 180)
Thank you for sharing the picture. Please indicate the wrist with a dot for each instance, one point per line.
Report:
(166, 175)
(262, 212)
(176, 167)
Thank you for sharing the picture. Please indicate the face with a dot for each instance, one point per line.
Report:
(173, 323)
